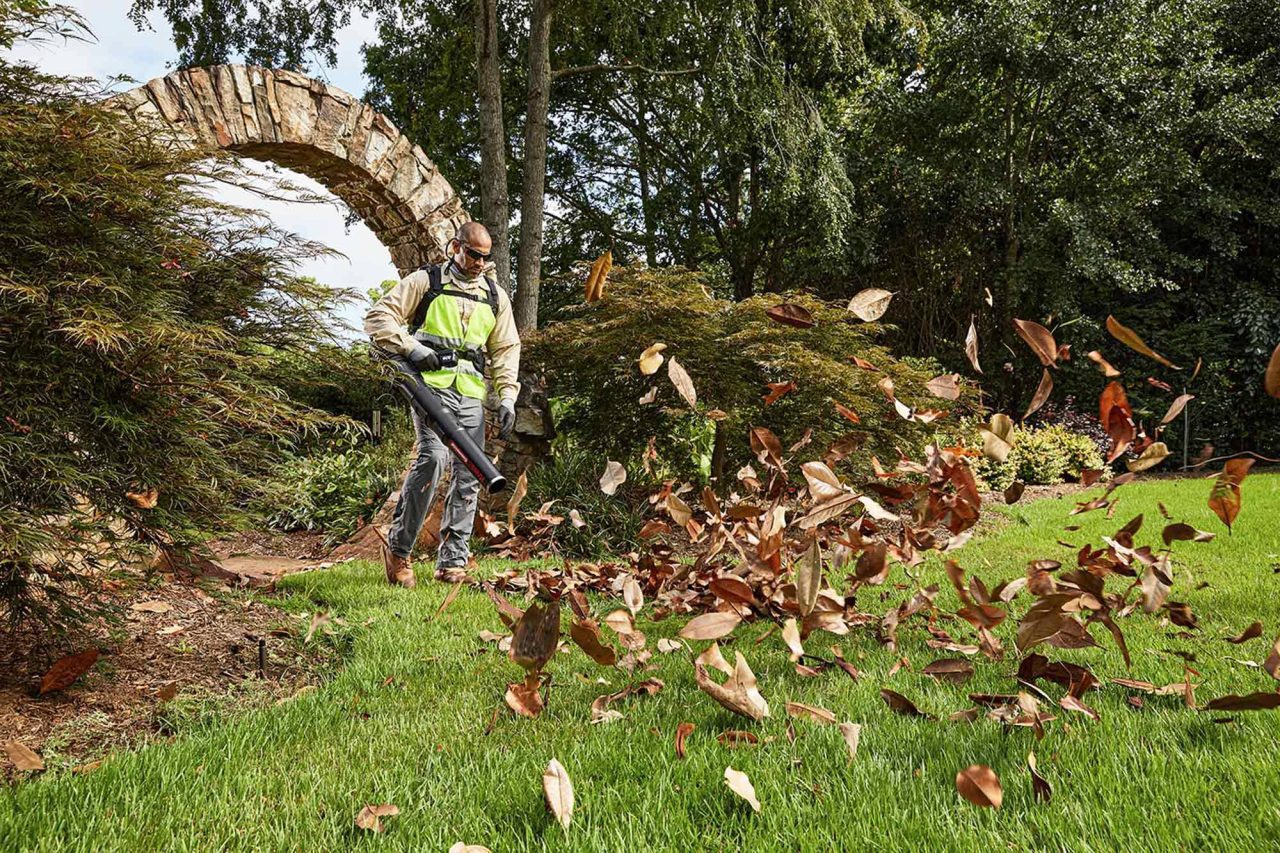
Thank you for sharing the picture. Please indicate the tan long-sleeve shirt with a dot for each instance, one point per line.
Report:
(387, 320)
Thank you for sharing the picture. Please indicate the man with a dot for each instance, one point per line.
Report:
(457, 320)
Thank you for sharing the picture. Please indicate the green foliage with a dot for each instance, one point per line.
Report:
(137, 318)
(337, 487)
(571, 478)
(731, 350)
(1041, 456)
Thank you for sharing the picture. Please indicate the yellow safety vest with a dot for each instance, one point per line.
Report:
(442, 330)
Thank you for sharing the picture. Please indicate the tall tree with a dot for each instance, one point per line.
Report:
(494, 205)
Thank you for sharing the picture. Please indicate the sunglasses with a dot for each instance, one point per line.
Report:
(474, 255)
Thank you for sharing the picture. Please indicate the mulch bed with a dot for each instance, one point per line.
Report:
(203, 645)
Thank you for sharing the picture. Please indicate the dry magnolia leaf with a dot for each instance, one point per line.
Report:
(513, 502)
(824, 485)
(370, 817)
(790, 314)
(1176, 407)
(151, 606)
(23, 757)
(614, 475)
(64, 673)
(791, 636)
(997, 437)
(714, 659)
(632, 595)
(710, 626)
(557, 788)
(1103, 365)
(851, 732)
(1043, 390)
(1155, 453)
(971, 346)
(739, 694)
(683, 731)
(741, 785)
(586, 635)
(651, 359)
(1039, 339)
(680, 379)
(1134, 341)
(869, 305)
(536, 635)
(809, 577)
(946, 386)
(1271, 380)
(979, 784)
(811, 712)
(1040, 787)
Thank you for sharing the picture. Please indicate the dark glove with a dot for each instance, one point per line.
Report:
(423, 357)
(506, 418)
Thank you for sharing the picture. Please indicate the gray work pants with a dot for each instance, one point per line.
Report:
(420, 485)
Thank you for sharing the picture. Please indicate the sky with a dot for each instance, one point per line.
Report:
(118, 48)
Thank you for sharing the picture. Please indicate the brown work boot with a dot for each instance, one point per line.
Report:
(452, 574)
(398, 571)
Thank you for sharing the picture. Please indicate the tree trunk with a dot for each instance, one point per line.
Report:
(494, 207)
(532, 199)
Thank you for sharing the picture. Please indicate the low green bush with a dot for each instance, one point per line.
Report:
(338, 487)
(1041, 456)
(571, 478)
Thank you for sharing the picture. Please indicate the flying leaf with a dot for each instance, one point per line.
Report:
(1272, 663)
(946, 386)
(851, 732)
(587, 636)
(741, 785)
(1176, 407)
(23, 757)
(1134, 341)
(710, 626)
(1072, 703)
(809, 577)
(513, 502)
(536, 635)
(143, 500)
(1180, 532)
(997, 437)
(1254, 630)
(683, 731)
(1224, 497)
(824, 485)
(1103, 365)
(1155, 453)
(1043, 390)
(557, 788)
(979, 784)
(1039, 339)
(790, 314)
(714, 659)
(971, 345)
(1251, 702)
(64, 673)
(632, 595)
(739, 694)
(791, 636)
(1271, 381)
(649, 396)
(847, 413)
(370, 817)
(651, 359)
(869, 305)
(684, 385)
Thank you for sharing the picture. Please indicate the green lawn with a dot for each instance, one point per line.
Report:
(294, 776)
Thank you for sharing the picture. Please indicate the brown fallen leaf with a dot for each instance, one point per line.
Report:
(1039, 339)
(946, 387)
(1272, 663)
(979, 784)
(1043, 390)
(370, 817)
(811, 712)
(683, 383)
(1176, 407)
(790, 314)
(64, 673)
(1180, 532)
(1271, 379)
(741, 785)
(1013, 494)
(517, 495)
(739, 694)
(525, 698)
(1103, 365)
(557, 789)
(586, 634)
(1252, 702)
(851, 732)
(1153, 455)
(1254, 630)
(23, 757)
(1134, 341)
(710, 626)
(950, 670)
(1071, 703)
(900, 704)
(683, 731)
(778, 390)
(151, 606)
(733, 737)
(1224, 497)
(143, 500)
(1040, 787)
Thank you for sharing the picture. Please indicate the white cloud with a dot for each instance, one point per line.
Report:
(118, 49)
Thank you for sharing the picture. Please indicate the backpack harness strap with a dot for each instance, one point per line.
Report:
(437, 288)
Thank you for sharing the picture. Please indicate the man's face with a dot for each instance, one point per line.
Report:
(472, 254)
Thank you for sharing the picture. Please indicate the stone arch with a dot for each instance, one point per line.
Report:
(316, 129)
